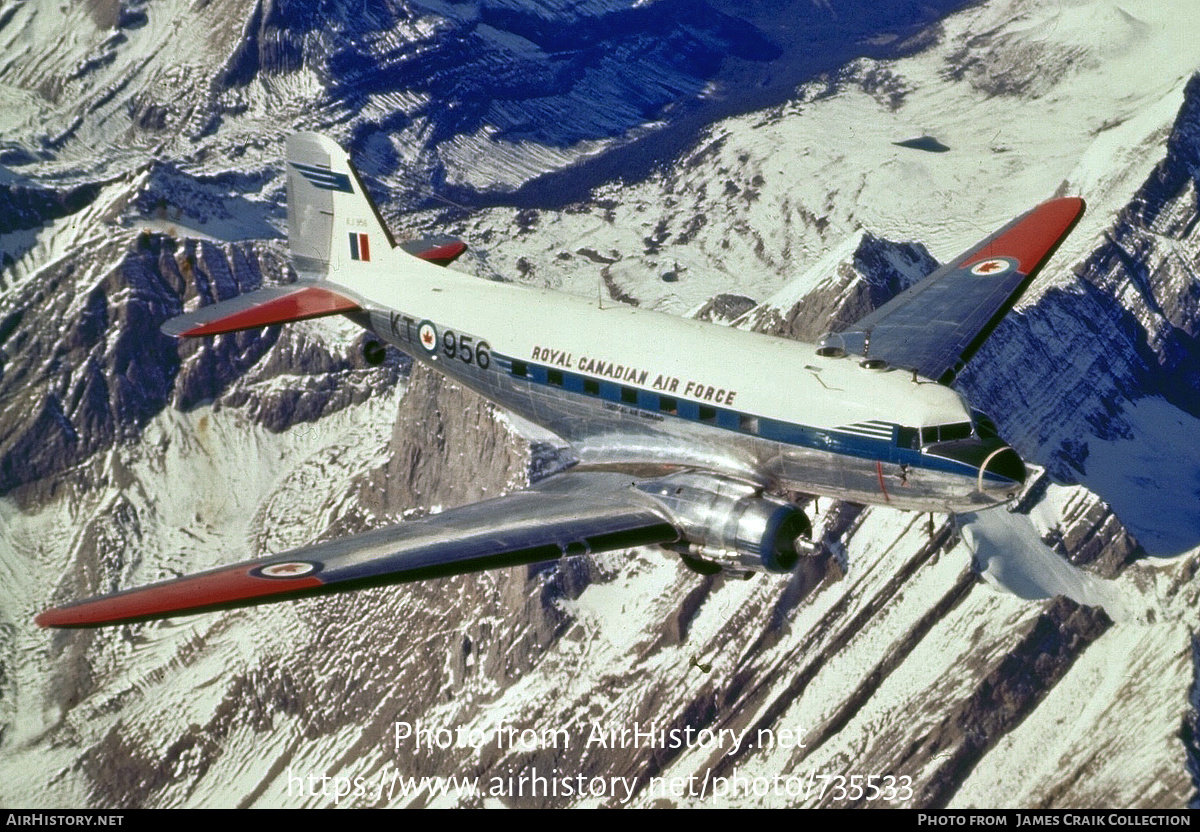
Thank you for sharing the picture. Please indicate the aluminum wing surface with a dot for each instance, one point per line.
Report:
(936, 325)
(566, 515)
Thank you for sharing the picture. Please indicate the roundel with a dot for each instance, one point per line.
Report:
(287, 569)
(427, 336)
(993, 266)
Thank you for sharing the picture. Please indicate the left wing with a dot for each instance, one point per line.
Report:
(936, 325)
(570, 514)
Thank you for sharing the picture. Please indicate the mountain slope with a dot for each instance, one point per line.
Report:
(762, 188)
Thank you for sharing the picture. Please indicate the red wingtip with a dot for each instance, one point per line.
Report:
(440, 250)
(208, 590)
(1032, 238)
(443, 255)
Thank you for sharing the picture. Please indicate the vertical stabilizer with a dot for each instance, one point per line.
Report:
(333, 229)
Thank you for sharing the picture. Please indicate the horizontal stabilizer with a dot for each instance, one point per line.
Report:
(261, 307)
(571, 514)
(441, 251)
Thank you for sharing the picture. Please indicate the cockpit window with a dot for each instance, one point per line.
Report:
(950, 433)
(984, 427)
(945, 433)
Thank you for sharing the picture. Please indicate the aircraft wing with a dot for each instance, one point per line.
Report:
(566, 515)
(936, 325)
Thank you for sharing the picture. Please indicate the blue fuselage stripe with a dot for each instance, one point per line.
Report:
(858, 445)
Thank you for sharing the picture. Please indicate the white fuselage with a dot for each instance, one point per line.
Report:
(627, 386)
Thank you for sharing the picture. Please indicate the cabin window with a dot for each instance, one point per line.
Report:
(628, 395)
(668, 405)
(708, 414)
(908, 438)
(748, 423)
(555, 377)
(520, 368)
(591, 386)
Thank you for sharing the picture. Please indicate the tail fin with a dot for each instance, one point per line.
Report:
(333, 227)
(334, 231)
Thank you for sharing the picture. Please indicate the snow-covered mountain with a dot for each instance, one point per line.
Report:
(772, 166)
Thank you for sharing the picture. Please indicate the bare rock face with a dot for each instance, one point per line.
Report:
(1009, 692)
(725, 308)
(448, 449)
(1093, 536)
(877, 271)
(78, 375)
(29, 206)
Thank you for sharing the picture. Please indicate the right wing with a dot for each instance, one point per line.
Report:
(935, 326)
(569, 514)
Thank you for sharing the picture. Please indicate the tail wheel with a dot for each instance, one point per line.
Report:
(374, 352)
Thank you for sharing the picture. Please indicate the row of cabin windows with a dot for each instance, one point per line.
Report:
(913, 438)
(629, 395)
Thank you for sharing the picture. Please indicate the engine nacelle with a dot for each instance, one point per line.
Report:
(730, 523)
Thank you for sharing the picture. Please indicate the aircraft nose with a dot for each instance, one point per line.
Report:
(999, 471)
(1002, 473)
